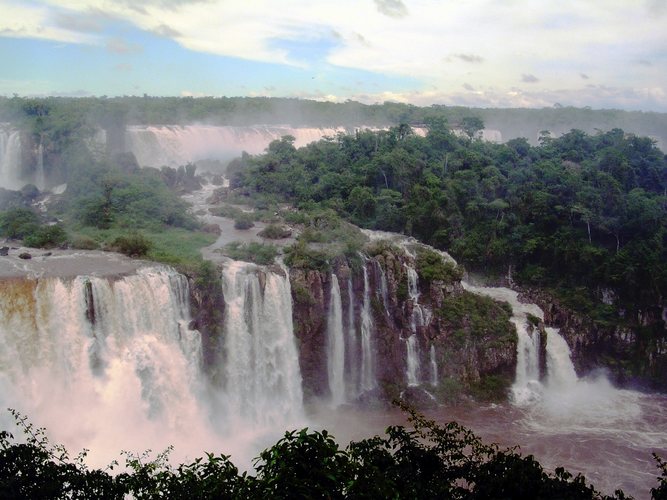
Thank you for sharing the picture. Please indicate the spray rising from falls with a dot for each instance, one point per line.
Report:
(104, 364)
(261, 365)
(176, 145)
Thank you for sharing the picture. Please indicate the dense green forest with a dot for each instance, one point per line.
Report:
(427, 461)
(580, 214)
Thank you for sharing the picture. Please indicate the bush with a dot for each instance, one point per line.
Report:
(133, 245)
(243, 221)
(275, 232)
(431, 266)
(46, 237)
(84, 243)
(18, 223)
(258, 253)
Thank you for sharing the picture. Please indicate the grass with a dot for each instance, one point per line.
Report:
(174, 246)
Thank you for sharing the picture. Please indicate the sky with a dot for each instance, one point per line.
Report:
(485, 53)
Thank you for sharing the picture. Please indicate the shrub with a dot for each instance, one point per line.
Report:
(243, 221)
(431, 266)
(84, 243)
(275, 232)
(46, 237)
(259, 253)
(133, 245)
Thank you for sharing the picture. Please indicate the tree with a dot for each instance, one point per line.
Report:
(471, 125)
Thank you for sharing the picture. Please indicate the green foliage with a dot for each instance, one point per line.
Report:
(275, 232)
(243, 221)
(431, 266)
(301, 256)
(133, 245)
(478, 317)
(46, 237)
(259, 253)
(17, 223)
(427, 461)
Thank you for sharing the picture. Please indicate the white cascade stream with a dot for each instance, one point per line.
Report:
(261, 366)
(335, 345)
(434, 366)
(368, 381)
(413, 364)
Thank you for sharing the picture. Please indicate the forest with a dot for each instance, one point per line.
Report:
(582, 215)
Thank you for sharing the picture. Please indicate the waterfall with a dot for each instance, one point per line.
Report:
(104, 364)
(421, 315)
(335, 345)
(413, 365)
(40, 178)
(560, 369)
(261, 366)
(384, 291)
(527, 386)
(10, 159)
(352, 342)
(434, 366)
(175, 145)
(368, 381)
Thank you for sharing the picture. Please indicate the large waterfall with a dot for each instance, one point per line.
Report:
(10, 158)
(261, 364)
(368, 381)
(174, 145)
(105, 364)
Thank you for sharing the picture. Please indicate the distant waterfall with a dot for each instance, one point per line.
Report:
(368, 380)
(261, 366)
(106, 364)
(336, 345)
(383, 290)
(559, 365)
(175, 145)
(10, 159)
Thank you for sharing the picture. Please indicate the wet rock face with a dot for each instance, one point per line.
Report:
(441, 350)
(629, 359)
(309, 309)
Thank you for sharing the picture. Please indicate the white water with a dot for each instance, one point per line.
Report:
(352, 343)
(368, 380)
(175, 145)
(10, 159)
(335, 345)
(106, 365)
(434, 366)
(413, 365)
(261, 366)
(384, 291)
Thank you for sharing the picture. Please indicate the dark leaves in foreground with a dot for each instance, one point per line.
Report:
(427, 461)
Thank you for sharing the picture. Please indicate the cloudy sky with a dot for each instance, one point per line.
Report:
(603, 54)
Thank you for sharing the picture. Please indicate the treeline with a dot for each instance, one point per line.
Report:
(583, 213)
(431, 461)
(109, 112)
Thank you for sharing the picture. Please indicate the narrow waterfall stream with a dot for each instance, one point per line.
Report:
(336, 345)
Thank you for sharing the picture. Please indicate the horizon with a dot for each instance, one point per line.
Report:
(481, 54)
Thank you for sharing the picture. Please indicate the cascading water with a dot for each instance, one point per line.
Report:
(352, 344)
(384, 290)
(368, 381)
(336, 345)
(261, 365)
(10, 159)
(434, 366)
(413, 365)
(105, 364)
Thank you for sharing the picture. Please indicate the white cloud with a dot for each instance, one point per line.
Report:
(442, 44)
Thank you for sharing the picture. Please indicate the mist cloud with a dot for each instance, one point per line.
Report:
(391, 8)
(528, 78)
